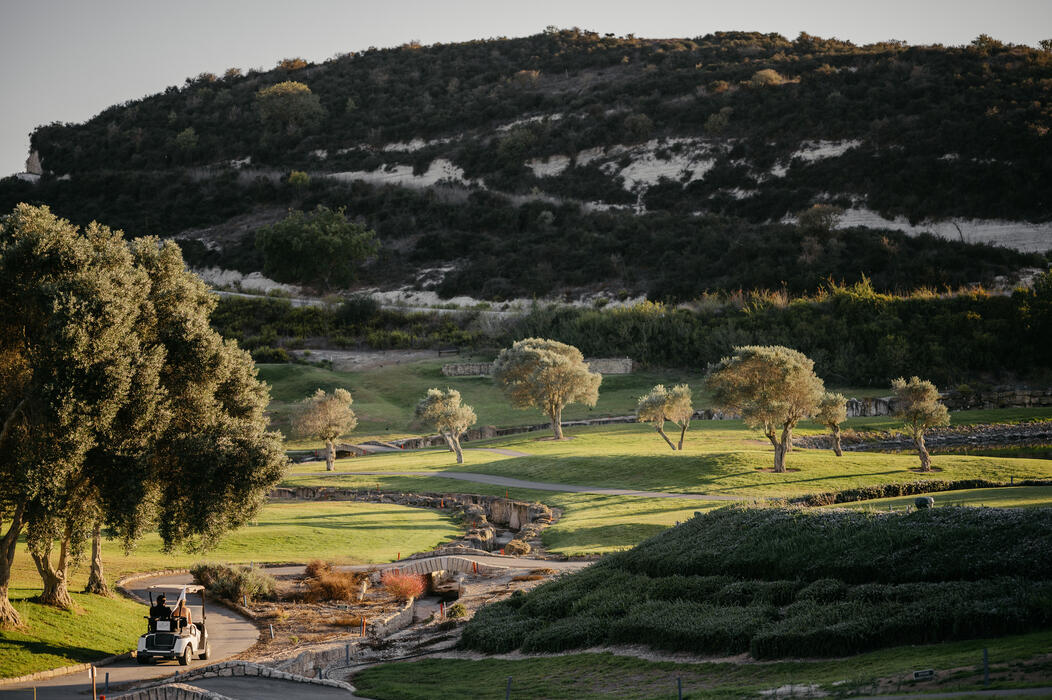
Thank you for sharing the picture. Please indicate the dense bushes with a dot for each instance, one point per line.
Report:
(234, 582)
(788, 583)
(910, 488)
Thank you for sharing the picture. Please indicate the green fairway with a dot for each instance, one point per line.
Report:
(53, 638)
(347, 532)
(719, 457)
(1003, 497)
(602, 675)
(384, 398)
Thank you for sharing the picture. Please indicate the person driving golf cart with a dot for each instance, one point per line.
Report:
(160, 611)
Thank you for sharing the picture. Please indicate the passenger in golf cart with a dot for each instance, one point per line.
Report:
(173, 634)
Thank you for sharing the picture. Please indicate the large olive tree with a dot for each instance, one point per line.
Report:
(110, 369)
(917, 405)
(546, 374)
(771, 387)
(451, 418)
(326, 417)
(661, 405)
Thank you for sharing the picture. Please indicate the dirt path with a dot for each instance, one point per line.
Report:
(537, 485)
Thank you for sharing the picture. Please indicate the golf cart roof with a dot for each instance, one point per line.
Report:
(190, 587)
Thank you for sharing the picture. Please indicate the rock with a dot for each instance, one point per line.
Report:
(517, 548)
(924, 502)
(539, 511)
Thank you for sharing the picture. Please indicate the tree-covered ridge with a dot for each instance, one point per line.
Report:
(940, 131)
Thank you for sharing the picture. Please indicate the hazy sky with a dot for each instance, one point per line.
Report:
(66, 60)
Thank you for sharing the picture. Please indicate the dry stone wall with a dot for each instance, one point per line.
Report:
(603, 365)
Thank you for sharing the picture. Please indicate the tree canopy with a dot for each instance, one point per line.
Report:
(771, 386)
(321, 248)
(546, 374)
(451, 418)
(119, 402)
(663, 405)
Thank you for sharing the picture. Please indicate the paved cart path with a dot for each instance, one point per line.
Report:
(536, 485)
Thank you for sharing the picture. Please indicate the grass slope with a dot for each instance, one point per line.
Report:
(603, 675)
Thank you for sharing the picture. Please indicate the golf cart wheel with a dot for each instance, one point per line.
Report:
(143, 660)
(205, 652)
(184, 660)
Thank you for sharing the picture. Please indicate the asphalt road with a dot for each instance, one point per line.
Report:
(228, 632)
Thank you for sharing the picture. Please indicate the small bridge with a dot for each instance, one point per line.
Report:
(461, 565)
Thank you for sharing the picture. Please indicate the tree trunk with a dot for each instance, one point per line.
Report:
(330, 455)
(55, 578)
(9, 617)
(682, 434)
(836, 441)
(661, 431)
(97, 579)
(456, 448)
(557, 422)
(922, 451)
(781, 449)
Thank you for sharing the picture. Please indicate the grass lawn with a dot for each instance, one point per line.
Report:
(341, 531)
(604, 675)
(384, 398)
(719, 457)
(1005, 497)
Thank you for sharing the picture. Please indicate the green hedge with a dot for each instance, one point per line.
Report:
(778, 582)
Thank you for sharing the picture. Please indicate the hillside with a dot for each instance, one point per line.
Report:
(573, 161)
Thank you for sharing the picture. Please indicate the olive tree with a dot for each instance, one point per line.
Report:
(917, 404)
(546, 374)
(832, 411)
(289, 106)
(672, 405)
(451, 418)
(108, 364)
(326, 417)
(771, 387)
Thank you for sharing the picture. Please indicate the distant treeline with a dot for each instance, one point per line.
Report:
(500, 249)
(854, 334)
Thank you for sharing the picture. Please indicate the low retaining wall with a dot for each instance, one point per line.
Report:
(185, 690)
(602, 365)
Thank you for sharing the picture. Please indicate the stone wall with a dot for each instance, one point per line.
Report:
(468, 369)
(183, 688)
(611, 365)
(603, 365)
(999, 397)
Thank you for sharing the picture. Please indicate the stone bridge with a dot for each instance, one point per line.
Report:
(461, 565)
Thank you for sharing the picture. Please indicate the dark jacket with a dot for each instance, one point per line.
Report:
(160, 611)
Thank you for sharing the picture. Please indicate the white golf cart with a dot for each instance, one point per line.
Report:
(175, 637)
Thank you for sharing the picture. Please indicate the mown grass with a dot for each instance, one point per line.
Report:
(1003, 497)
(604, 675)
(384, 398)
(346, 532)
(53, 638)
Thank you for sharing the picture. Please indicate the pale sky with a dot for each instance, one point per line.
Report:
(67, 60)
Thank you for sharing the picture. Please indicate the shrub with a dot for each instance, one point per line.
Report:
(234, 582)
(317, 566)
(401, 585)
(328, 584)
(456, 611)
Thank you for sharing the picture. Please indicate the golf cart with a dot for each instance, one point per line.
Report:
(175, 637)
